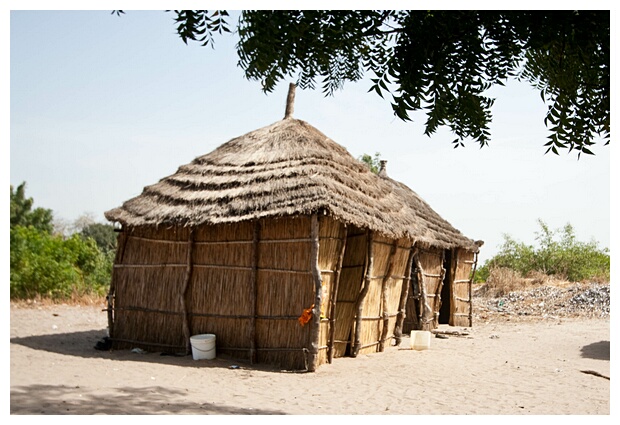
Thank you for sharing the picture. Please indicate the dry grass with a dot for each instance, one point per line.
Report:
(83, 300)
(502, 281)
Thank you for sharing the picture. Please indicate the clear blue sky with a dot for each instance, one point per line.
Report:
(101, 106)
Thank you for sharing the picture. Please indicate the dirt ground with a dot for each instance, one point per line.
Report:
(503, 365)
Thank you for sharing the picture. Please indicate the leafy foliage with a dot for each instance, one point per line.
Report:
(22, 213)
(442, 61)
(49, 265)
(374, 163)
(200, 26)
(558, 253)
(103, 235)
(45, 265)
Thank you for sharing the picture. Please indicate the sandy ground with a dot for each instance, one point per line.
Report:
(502, 367)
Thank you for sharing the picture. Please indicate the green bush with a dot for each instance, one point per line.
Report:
(45, 265)
(558, 254)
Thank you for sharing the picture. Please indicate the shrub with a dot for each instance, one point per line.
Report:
(45, 265)
(558, 254)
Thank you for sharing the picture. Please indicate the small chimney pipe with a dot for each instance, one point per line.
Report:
(383, 168)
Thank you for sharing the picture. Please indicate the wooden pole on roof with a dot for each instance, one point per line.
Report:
(290, 101)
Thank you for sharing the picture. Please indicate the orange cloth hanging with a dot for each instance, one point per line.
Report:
(306, 316)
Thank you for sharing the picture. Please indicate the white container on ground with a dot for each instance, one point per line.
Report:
(420, 340)
(203, 346)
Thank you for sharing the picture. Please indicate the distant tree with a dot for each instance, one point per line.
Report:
(103, 235)
(62, 227)
(83, 221)
(440, 61)
(373, 162)
(22, 213)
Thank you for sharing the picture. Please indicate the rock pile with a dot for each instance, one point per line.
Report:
(574, 300)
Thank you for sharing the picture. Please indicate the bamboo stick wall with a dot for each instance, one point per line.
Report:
(147, 281)
(431, 273)
(248, 283)
(460, 305)
(332, 242)
(428, 268)
(380, 306)
(351, 276)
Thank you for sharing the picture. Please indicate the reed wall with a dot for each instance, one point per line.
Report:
(148, 282)
(381, 304)
(250, 282)
(461, 302)
(352, 275)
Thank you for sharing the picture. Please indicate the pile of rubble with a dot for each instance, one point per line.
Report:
(587, 300)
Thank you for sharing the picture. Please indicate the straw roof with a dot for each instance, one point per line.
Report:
(286, 168)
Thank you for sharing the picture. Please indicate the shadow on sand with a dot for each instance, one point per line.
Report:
(155, 400)
(597, 350)
(82, 344)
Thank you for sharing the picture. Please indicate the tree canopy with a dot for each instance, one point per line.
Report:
(22, 213)
(47, 264)
(442, 62)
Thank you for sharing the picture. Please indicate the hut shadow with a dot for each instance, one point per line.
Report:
(79, 344)
(156, 400)
(597, 350)
(82, 344)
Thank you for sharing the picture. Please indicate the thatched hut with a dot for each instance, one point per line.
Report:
(287, 248)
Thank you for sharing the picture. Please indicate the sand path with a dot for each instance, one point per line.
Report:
(500, 368)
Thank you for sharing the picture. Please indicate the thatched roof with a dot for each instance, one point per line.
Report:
(286, 168)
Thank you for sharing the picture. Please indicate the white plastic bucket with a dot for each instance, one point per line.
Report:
(203, 346)
(420, 340)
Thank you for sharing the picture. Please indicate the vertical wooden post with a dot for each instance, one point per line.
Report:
(404, 294)
(188, 276)
(254, 291)
(362, 295)
(454, 263)
(333, 298)
(471, 300)
(426, 313)
(384, 300)
(437, 303)
(315, 330)
(118, 259)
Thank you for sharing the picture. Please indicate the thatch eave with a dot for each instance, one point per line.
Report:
(285, 169)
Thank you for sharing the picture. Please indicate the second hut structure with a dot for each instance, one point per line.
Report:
(288, 249)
